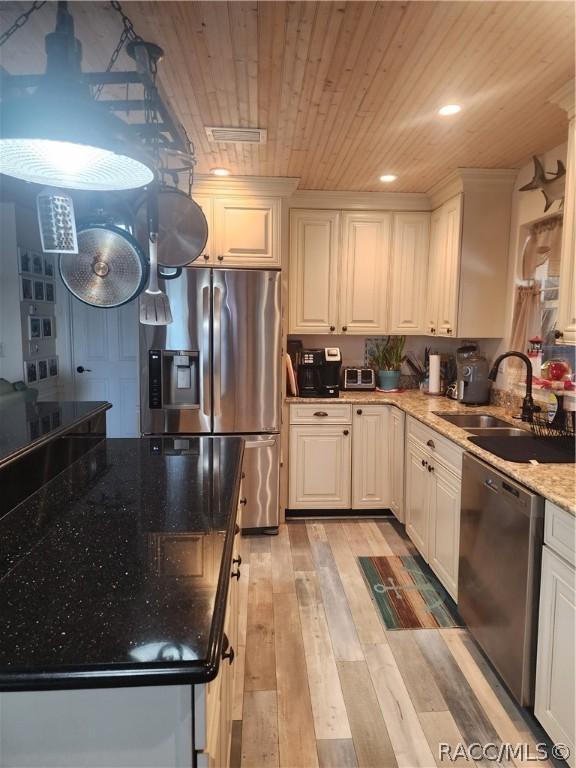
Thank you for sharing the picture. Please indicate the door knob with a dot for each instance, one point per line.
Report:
(424, 463)
(359, 411)
(206, 257)
(346, 432)
(81, 369)
(332, 328)
(344, 328)
(430, 468)
(220, 258)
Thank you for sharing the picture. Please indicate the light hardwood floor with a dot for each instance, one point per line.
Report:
(322, 684)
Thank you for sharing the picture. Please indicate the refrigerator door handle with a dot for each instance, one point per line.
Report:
(260, 443)
(217, 364)
(206, 389)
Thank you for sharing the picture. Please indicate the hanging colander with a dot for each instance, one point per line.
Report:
(110, 268)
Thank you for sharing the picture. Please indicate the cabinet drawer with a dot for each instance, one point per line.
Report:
(339, 413)
(560, 531)
(436, 445)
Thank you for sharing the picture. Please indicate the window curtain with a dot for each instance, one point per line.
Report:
(543, 242)
(527, 319)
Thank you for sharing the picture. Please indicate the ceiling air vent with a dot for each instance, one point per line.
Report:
(236, 135)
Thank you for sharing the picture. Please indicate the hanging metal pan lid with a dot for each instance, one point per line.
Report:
(110, 268)
(183, 229)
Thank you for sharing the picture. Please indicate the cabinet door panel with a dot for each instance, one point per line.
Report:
(365, 264)
(555, 673)
(416, 501)
(444, 541)
(313, 277)
(396, 434)
(409, 273)
(371, 458)
(567, 297)
(247, 232)
(207, 258)
(449, 283)
(435, 276)
(320, 467)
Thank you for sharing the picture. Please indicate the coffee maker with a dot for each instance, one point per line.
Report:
(473, 384)
(319, 372)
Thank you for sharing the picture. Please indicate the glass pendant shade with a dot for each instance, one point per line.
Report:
(70, 142)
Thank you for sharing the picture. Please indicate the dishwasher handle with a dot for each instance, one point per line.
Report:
(493, 486)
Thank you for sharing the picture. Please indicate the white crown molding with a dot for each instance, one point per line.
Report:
(461, 178)
(275, 186)
(362, 201)
(565, 98)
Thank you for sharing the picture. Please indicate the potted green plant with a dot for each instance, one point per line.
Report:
(386, 357)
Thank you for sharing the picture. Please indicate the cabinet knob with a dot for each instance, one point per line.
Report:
(227, 654)
(320, 413)
(206, 256)
(220, 258)
(235, 574)
(430, 444)
(558, 335)
(430, 468)
(344, 328)
(432, 330)
(359, 411)
(424, 463)
(237, 560)
(244, 501)
(449, 331)
(332, 328)
(346, 432)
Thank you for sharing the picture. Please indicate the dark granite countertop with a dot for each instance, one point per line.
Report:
(24, 426)
(116, 572)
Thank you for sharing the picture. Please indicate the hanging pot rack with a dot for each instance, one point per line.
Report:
(142, 93)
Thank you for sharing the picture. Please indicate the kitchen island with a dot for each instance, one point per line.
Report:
(116, 574)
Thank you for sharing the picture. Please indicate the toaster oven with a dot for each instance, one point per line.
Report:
(359, 378)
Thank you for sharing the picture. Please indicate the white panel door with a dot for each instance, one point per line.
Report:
(364, 272)
(555, 674)
(370, 457)
(313, 275)
(105, 347)
(208, 257)
(444, 521)
(320, 467)
(435, 275)
(449, 282)
(409, 273)
(416, 501)
(396, 462)
(247, 232)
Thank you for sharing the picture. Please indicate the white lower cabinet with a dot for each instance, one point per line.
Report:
(396, 449)
(320, 456)
(341, 457)
(432, 500)
(370, 457)
(555, 673)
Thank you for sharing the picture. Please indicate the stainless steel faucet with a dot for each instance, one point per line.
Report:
(528, 407)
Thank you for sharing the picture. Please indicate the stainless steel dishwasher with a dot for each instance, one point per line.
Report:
(501, 536)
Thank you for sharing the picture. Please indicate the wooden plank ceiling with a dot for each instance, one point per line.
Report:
(346, 90)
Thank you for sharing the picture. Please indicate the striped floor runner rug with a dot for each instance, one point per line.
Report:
(407, 593)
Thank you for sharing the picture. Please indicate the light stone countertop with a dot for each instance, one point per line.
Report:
(556, 482)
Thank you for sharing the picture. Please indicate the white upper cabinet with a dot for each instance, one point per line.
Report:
(449, 281)
(567, 298)
(364, 272)
(313, 278)
(207, 257)
(409, 273)
(247, 231)
(437, 240)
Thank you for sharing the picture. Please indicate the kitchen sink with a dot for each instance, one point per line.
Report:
(498, 431)
(473, 420)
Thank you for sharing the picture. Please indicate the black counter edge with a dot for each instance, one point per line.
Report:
(101, 407)
(137, 675)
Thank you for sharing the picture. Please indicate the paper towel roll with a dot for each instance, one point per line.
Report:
(434, 375)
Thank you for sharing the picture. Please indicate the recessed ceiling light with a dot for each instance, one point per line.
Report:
(388, 177)
(449, 109)
(220, 172)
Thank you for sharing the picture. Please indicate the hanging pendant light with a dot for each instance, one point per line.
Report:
(60, 136)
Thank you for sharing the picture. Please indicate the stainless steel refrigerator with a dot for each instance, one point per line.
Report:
(216, 370)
